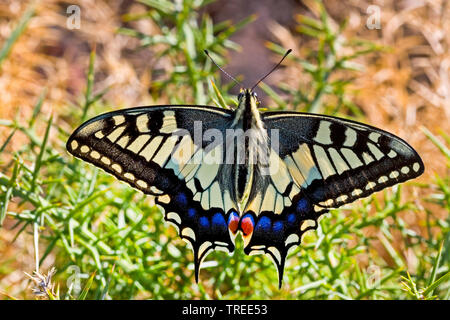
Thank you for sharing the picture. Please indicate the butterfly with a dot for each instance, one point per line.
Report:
(218, 172)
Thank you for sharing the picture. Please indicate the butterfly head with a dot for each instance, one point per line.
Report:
(247, 95)
(247, 111)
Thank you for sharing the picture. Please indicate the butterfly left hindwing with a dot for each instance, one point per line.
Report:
(153, 149)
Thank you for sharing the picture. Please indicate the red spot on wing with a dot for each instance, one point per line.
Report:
(247, 225)
(233, 222)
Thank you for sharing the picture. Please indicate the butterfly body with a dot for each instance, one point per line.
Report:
(251, 142)
(218, 172)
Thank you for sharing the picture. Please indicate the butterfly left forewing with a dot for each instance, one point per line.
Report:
(156, 151)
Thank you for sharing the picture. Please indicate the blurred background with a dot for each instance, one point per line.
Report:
(385, 63)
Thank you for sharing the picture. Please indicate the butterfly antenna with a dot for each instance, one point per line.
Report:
(273, 69)
(226, 73)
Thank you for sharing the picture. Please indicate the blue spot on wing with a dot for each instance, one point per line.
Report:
(277, 226)
(181, 199)
(263, 224)
(233, 215)
(249, 216)
(204, 222)
(192, 213)
(218, 222)
(291, 218)
(303, 205)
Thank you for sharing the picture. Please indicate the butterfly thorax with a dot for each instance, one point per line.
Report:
(251, 143)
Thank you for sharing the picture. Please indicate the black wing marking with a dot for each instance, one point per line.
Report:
(155, 150)
(323, 162)
(353, 159)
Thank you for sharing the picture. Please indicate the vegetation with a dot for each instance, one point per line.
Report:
(108, 241)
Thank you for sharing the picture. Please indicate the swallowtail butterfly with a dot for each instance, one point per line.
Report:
(217, 172)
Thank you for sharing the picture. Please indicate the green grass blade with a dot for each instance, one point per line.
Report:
(437, 261)
(7, 46)
(436, 142)
(4, 207)
(87, 287)
(271, 93)
(37, 108)
(435, 284)
(9, 192)
(164, 6)
(38, 162)
(221, 100)
(2, 148)
(89, 85)
(106, 287)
